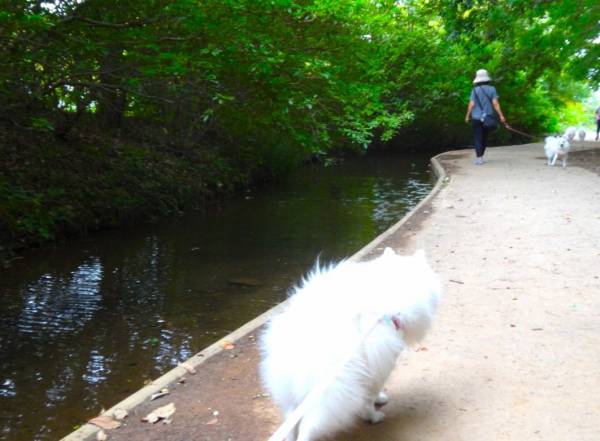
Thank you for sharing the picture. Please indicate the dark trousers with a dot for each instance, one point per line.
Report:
(480, 134)
(597, 128)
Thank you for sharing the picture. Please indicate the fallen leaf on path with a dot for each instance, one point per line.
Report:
(161, 413)
(163, 392)
(150, 418)
(213, 421)
(227, 345)
(263, 395)
(120, 414)
(105, 422)
(101, 436)
(188, 367)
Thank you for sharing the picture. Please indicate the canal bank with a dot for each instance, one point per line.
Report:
(513, 354)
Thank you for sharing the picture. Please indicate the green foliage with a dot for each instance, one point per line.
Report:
(541, 54)
(249, 88)
(256, 71)
(22, 211)
(573, 114)
(313, 74)
(61, 192)
(42, 124)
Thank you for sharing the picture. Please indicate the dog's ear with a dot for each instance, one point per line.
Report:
(389, 252)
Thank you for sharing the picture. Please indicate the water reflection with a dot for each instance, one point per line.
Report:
(84, 325)
(386, 194)
(54, 305)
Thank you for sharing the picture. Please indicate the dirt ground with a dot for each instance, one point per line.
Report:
(515, 351)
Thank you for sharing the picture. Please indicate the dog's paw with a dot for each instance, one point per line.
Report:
(382, 399)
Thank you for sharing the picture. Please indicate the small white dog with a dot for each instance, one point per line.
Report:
(556, 146)
(364, 313)
(581, 134)
(570, 133)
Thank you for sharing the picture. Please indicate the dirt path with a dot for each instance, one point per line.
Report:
(515, 352)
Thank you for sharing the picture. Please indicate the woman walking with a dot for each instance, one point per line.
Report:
(480, 111)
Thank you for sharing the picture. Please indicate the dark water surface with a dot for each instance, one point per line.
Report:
(85, 324)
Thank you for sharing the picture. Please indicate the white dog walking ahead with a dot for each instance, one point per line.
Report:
(556, 146)
(364, 313)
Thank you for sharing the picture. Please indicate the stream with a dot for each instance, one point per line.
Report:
(86, 323)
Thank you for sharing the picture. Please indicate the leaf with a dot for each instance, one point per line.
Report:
(120, 414)
(227, 345)
(213, 421)
(163, 392)
(165, 411)
(188, 367)
(105, 422)
(150, 418)
(161, 413)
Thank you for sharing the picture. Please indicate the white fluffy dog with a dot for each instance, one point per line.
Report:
(581, 134)
(556, 146)
(570, 133)
(355, 317)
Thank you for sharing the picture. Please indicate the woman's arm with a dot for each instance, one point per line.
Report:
(469, 109)
(496, 105)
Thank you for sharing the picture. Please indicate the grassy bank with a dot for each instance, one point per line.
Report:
(51, 189)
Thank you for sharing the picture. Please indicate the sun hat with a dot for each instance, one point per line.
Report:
(482, 76)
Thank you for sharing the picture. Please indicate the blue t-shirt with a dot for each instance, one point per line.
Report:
(485, 96)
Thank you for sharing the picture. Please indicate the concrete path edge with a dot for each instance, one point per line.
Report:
(88, 431)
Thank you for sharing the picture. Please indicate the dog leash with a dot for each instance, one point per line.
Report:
(519, 132)
(294, 418)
